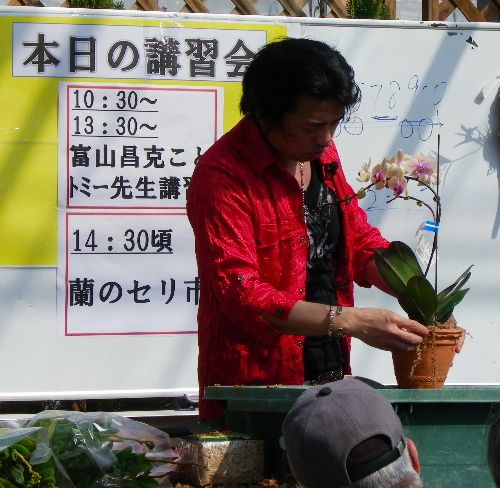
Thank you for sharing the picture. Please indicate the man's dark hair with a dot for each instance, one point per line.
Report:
(285, 70)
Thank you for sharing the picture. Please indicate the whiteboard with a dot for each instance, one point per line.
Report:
(393, 62)
(420, 80)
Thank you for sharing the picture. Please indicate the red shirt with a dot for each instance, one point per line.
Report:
(251, 248)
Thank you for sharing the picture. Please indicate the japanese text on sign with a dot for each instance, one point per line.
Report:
(131, 149)
(157, 53)
(107, 292)
(135, 147)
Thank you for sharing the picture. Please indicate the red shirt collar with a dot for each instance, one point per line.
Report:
(260, 154)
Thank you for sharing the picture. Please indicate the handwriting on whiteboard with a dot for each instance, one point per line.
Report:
(408, 104)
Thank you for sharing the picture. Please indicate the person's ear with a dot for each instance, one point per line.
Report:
(412, 451)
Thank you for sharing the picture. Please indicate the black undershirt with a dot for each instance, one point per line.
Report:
(321, 354)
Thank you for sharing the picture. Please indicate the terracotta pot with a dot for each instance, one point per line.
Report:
(428, 365)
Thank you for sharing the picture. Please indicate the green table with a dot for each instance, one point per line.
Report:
(449, 425)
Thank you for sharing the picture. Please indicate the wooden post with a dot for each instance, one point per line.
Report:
(392, 7)
(197, 6)
(148, 5)
(471, 13)
(245, 7)
(338, 8)
(445, 9)
(430, 9)
(292, 8)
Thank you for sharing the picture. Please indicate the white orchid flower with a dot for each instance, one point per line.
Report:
(364, 174)
(400, 163)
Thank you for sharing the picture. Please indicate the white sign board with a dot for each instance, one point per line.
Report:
(118, 120)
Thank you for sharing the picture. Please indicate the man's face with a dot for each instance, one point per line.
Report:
(307, 131)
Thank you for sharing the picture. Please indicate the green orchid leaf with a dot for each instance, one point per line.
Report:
(393, 274)
(424, 297)
(457, 285)
(394, 269)
(407, 254)
(446, 306)
(408, 304)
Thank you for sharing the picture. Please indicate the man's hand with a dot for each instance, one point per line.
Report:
(383, 329)
(376, 327)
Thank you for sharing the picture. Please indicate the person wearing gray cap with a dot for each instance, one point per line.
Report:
(346, 434)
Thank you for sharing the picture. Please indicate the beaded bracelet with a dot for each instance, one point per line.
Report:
(332, 313)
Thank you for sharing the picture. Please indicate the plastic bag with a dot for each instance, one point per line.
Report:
(25, 459)
(88, 450)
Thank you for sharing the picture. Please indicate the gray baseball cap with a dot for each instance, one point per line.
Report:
(328, 421)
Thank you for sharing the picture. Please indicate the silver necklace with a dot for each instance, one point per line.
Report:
(302, 187)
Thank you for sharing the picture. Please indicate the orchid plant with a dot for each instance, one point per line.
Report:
(398, 264)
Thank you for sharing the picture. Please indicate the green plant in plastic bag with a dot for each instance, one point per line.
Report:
(85, 450)
(18, 470)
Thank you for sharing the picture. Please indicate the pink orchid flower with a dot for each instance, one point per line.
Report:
(379, 175)
(424, 168)
(398, 184)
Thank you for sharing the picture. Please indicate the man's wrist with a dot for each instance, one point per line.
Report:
(332, 328)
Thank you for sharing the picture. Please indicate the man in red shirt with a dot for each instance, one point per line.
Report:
(279, 239)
